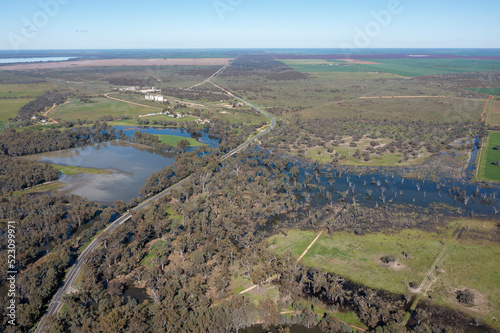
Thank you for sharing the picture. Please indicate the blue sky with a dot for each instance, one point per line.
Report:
(125, 24)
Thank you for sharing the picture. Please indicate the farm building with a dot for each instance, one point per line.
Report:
(156, 98)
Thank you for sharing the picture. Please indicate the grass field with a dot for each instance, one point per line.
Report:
(73, 170)
(488, 171)
(74, 109)
(487, 91)
(493, 117)
(174, 140)
(469, 261)
(421, 67)
(133, 121)
(358, 257)
(10, 107)
(402, 67)
(473, 264)
(24, 90)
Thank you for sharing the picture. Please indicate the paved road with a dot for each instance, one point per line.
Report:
(67, 286)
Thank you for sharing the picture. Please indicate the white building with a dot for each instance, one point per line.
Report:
(156, 98)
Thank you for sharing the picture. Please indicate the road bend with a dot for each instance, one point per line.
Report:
(67, 287)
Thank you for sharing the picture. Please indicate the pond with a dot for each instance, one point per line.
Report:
(128, 165)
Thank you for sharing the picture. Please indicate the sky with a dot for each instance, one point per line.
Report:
(169, 24)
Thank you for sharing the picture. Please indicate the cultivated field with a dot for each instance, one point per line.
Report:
(488, 171)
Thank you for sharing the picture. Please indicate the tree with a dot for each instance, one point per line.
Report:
(268, 312)
(308, 318)
(329, 323)
(183, 144)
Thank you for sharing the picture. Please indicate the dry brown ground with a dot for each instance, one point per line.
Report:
(120, 62)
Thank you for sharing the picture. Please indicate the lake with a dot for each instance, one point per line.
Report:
(37, 59)
(130, 165)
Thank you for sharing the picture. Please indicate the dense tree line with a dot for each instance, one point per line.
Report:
(38, 105)
(27, 142)
(17, 174)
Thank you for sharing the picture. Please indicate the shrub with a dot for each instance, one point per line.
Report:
(465, 296)
(388, 259)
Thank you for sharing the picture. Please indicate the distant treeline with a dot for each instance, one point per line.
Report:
(28, 142)
(262, 65)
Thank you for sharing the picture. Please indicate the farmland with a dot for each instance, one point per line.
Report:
(487, 170)
(99, 107)
(467, 264)
(358, 257)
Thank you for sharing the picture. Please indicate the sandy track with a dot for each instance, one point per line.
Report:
(120, 62)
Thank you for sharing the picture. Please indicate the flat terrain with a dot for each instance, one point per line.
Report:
(487, 91)
(494, 114)
(406, 67)
(173, 140)
(468, 261)
(358, 257)
(488, 171)
(24, 90)
(73, 170)
(473, 264)
(119, 62)
(10, 107)
(74, 109)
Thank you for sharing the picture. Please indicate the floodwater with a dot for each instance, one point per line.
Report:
(130, 165)
(139, 294)
(387, 188)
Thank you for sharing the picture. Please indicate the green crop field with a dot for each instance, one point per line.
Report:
(10, 107)
(421, 67)
(74, 109)
(402, 66)
(488, 171)
(23, 90)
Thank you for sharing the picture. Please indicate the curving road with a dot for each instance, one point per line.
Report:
(67, 286)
